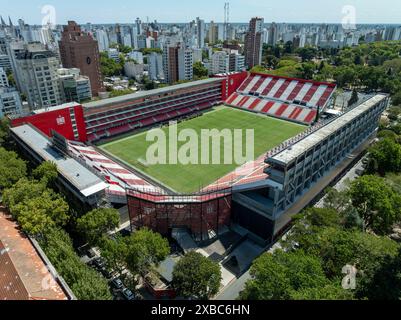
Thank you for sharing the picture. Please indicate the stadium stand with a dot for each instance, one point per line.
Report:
(115, 116)
(286, 98)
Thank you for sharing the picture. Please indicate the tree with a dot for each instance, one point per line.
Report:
(36, 208)
(196, 276)
(377, 203)
(4, 131)
(199, 70)
(354, 98)
(385, 156)
(34, 219)
(280, 275)
(307, 53)
(145, 249)
(337, 200)
(46, 173)
(85, 282)
(328, 292)
(96, 223)
(21, 192)
(115, 252)
(307, 70)
(12, 168)
(109, 67)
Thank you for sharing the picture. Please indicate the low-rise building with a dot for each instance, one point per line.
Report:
(10, 102)
(74, 86)
(26, 273)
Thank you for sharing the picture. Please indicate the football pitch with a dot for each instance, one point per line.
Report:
(189, 178)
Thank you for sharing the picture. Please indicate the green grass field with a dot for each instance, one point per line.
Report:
(268, 133)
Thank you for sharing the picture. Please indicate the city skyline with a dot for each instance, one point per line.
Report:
(367, 12)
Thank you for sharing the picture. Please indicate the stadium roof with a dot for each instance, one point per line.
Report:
(145, 94)
(79, 176)
(290, 154)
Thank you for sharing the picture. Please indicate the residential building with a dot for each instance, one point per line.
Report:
(3, 78)
(5, 62)
(178, 63)
(134, 70)
(76, 88)
(36, 74)
(80, 50)
(227, 61)
(137, 56)
(200, 32)
(253, 43)
(155, 62)
(213, 33)
(102, 40)
(10, 102)
(113, 54)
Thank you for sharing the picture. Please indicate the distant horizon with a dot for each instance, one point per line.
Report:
(367, 12)
(15, 23)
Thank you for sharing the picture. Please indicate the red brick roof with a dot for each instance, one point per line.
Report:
(23, 274)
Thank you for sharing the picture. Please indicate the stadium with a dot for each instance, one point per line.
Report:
(108, 137)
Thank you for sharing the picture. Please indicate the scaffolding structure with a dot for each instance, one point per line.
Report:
(204, 215)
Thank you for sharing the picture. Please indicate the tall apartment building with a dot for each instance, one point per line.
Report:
(220, 62)
(36, 73)
(80, 50)
(75, 87)
(102, 40)
(10, 102)
(227, 61)
(273, 34)
(253, 43)
(213, 33)
(178, 63)
(3, 78)
(5, 62)
(200, 32)
(155, 62)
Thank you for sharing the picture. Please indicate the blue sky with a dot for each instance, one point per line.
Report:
(124, 11)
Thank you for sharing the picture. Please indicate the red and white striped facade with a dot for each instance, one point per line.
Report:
(287, 98)
(116, 176)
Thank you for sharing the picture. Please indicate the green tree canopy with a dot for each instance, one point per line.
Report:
(280, 275)
(12, 168)
(385, 156)
(377, 203)
(199, 70)
(4, 131)
(196, 276)
(46, 173)
(145, 249)
(96, 223)
(85, 282)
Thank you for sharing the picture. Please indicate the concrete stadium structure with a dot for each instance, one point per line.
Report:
(262, 195)
(293, 172)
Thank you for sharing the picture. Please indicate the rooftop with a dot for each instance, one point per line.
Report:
(23, 273)
(79, 176)
(145, 94)
(290, 154)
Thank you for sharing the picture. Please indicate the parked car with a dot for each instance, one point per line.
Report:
(359, 172)
(117, 284)
(99, 263)
(128, 295)
(91, 253)
(106, 273)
